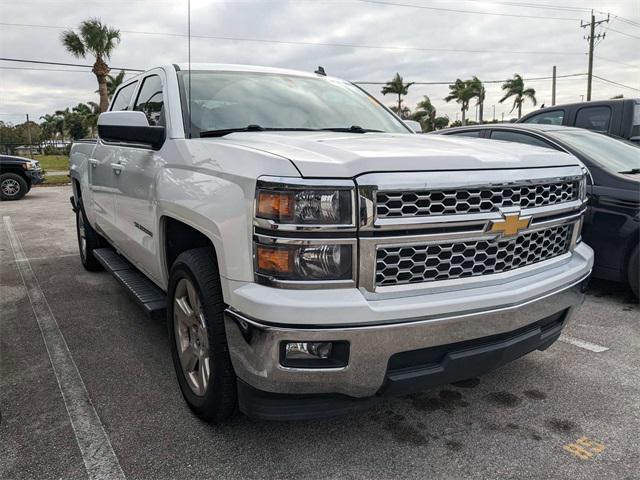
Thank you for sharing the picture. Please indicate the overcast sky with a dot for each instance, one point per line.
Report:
(496, 36)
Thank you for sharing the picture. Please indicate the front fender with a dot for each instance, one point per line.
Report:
(219, 208)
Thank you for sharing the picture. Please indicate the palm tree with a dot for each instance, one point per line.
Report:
(514, 87)
(51, 126)
(113, 83)
(98, 40)
(425, 113)
(397, 87)
(462, 94)
(89, 112)
(479, 93)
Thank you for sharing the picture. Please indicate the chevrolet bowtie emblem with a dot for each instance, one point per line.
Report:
(510, 224)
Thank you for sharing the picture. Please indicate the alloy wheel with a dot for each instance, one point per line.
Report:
(191, 336)
(10, 187)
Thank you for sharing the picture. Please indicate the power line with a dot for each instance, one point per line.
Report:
(22, 60)
(320, 44)
(540, 6)
(616, 61)
(476, 12)
(626, 20)
(616, 83)
(44, 69)
(484, 81)
(622, 33)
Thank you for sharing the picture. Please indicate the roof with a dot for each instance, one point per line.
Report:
(535, 127)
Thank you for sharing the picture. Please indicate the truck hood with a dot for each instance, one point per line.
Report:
(331, 154)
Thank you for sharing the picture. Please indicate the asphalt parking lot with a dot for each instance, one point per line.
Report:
(572, 411)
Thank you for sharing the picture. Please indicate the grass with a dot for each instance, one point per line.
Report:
(53, 162)
(50, 180)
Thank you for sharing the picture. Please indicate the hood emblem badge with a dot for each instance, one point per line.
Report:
(510, 224)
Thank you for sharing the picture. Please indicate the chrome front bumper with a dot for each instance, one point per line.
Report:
(255, 347)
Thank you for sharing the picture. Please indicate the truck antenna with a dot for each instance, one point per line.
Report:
(189, 58)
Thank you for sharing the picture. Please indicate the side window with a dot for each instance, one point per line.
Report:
(519, 138)
(123, 97)
(594, 118)
(553, 117)
(150, 100)
(469, 133)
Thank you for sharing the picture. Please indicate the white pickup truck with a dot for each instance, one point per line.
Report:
(310, 252)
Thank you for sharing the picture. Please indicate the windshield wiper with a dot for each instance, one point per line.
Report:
(352, 129)
(251, 128)
(633, 171)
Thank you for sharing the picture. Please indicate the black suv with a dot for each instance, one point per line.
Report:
(17, 176)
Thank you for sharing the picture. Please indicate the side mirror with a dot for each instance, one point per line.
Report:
(130, 128)
(413, 125)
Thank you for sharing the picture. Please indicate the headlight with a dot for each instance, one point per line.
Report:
(29, 165)
(582, 187)
(296, 239)
(301, 204)
(313, 262)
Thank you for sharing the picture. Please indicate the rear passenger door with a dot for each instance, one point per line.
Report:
(102, 174)
(136, 215)
(597, 118)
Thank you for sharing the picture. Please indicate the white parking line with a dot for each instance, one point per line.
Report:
(592, 347)
(99, 458)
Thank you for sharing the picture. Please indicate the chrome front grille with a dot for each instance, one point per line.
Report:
(418, 203)
(427, 231)
(449, 260)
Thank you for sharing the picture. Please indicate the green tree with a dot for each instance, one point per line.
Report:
(94, 38)
(461, 92)
(425, 113)
(440, 122)
(514, 87)
(89, 112)
(397, 87)
(479, 94)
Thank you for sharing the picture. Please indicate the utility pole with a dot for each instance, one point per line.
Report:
(29, 135)
(591, 38)
(553, 87)
(494, 113)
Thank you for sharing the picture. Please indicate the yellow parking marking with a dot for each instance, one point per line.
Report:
(584, 448)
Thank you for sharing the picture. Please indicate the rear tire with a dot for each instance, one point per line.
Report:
(12, 186)
(198, 338)
(634, 272)
(88, 240)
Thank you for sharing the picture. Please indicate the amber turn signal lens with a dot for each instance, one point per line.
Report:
(275, 205)
(274, 260)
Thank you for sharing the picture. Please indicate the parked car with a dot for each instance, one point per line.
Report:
(618, 117)
(612, 224)
(17, 176)
(310, 253)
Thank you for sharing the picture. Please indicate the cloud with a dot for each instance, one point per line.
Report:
(321, 21)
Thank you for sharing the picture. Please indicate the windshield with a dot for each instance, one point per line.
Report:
(236, 100)
(610, 153)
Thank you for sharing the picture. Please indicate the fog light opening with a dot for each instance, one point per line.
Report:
(314, 354)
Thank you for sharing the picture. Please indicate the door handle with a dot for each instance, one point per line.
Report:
(117, 168)
(93, 162)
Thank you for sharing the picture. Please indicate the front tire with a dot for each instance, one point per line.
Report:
(88, 240)
(198, 339)
(12, 186)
